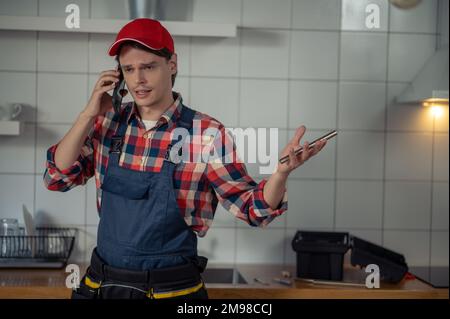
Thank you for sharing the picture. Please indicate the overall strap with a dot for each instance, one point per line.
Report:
(185, 121)
(121, 130)
(117, 139)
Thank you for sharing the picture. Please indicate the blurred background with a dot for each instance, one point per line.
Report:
(292, 62)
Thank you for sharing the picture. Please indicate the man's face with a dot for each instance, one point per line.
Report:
(148, 76)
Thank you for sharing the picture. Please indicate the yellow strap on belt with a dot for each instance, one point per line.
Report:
(91, 283)
(176, 293)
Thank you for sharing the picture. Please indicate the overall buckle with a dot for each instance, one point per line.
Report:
(116, 144)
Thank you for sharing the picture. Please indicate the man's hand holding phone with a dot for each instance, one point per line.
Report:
(100, 100)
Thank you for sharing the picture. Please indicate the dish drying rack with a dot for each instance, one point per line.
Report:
(49, 247)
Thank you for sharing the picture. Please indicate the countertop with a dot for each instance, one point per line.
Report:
(50, 283)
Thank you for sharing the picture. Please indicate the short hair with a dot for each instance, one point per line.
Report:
(165, 53)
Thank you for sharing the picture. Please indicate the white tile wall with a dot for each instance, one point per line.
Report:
(264, 53)
(408, 156)
(359, 204)
(267, 13)
(51, 207)
(304, 208)
(418, 47)
(219, 245)
(440, 156)
(440, 206)
(47, 135)
(268, 97)
(363, 56)
(17, 152)
(318, 15)
(57, 52)
(208, 55)
(384, 178)
(99, 60)
(216, 97)
(313, 104)
(109, 9)
(18, 50)
(407, 205)
(61, 97)
(20, 88)
(269, 243)
(439, 251)
(183, 51)
(217, 11)
(314, 55)
(355, 159)
(11, 199)
(362, 106)
(19, 8)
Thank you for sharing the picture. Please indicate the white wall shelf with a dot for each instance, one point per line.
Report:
(112, 26)
(9, 128)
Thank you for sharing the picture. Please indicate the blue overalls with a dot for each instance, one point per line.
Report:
(141, 226)
(144, 249)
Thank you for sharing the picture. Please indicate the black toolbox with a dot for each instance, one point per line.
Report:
(320, 255)
(392, 265)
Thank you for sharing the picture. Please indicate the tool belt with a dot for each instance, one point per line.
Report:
(103, 281)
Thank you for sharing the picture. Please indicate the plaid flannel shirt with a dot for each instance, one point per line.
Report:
(199, 185)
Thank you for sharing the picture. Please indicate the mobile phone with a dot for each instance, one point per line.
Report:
(118, 92)
(327, 136)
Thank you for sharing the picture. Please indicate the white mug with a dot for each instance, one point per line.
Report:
(10, 111)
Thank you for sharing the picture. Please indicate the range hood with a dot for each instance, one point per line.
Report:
(430, 85)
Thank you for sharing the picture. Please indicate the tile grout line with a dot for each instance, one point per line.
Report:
(85, 253)
(89, 41)
(433, 147)
(430, 235)
(285, 239)
(340, 30)
(190, 70)
(240, 34)
(224, 77)
(385, 136)
(36, 90)
(338, 91)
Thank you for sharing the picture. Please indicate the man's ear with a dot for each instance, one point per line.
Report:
(173, 63)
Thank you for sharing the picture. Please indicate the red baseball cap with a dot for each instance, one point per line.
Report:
(145, 31)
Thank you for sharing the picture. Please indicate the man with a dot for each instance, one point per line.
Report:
(152, 208)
